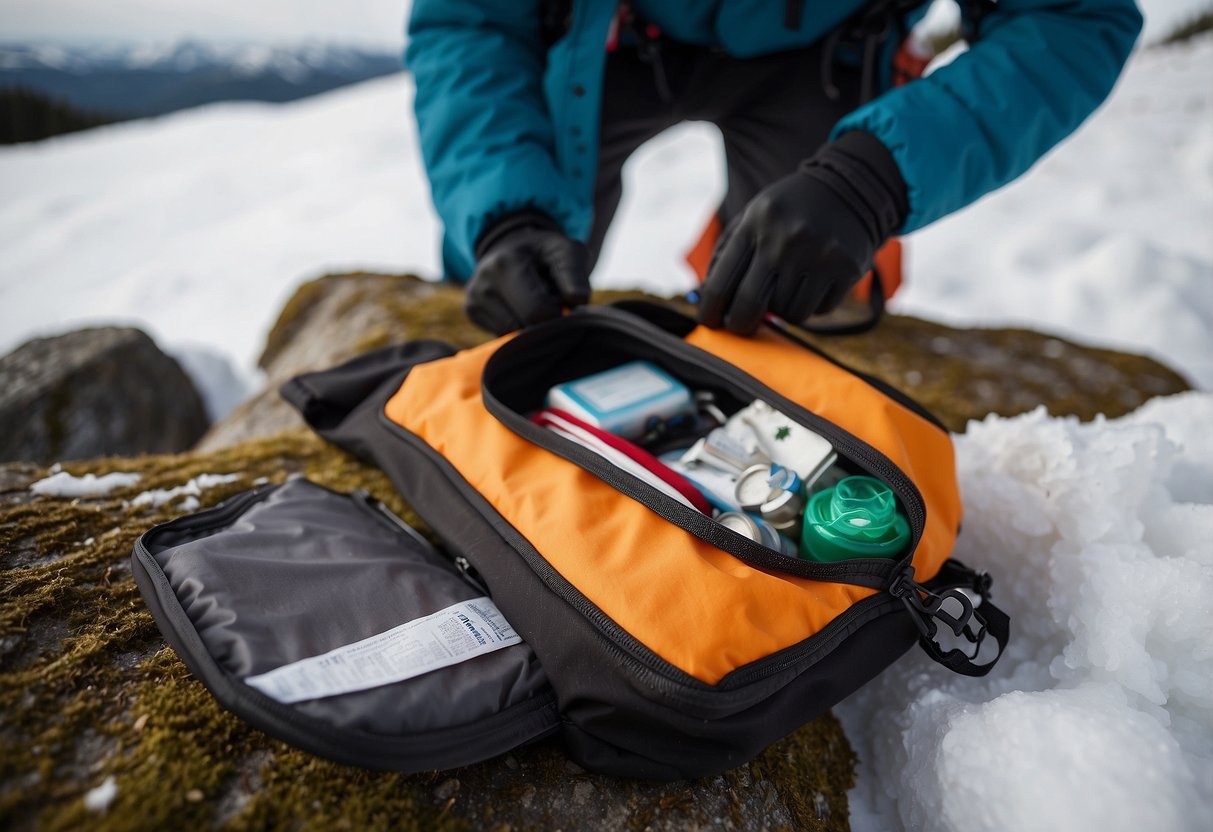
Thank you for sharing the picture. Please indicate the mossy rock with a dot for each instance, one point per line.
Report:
(89, 691)
(961, 374)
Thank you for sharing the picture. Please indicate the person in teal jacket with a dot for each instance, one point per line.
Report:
(527, 109)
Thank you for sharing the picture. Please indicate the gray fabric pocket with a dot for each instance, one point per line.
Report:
(293, 571)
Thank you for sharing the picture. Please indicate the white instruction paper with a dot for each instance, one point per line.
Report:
(452, 635)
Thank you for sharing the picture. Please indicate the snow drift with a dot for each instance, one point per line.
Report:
(198, 226)
(1100, 715)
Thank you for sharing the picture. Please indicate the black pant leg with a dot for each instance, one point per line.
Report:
(772, 112)
(632, 113)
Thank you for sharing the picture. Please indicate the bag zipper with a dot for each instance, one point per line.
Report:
(380, 511)
(876, 573)
(895, 577)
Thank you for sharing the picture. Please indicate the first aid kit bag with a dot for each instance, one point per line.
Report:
(657, 640)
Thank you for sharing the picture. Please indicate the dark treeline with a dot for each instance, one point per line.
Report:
(27, 116)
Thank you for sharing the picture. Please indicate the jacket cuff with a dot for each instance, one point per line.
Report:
(862, 171)
(509, 223)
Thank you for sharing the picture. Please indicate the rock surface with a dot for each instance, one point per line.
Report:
(94, 392)
(335, 318)
(961, 374)
(102, 726)
(90, 692)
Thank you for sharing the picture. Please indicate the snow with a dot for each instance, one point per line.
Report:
(219, 381)
(199, 226)
(1109, 240)
(191, 491)
(63, 484)
(99, 799)
(1100, 716)
(1106, 242)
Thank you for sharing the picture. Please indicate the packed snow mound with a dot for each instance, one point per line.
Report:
(1100, 715)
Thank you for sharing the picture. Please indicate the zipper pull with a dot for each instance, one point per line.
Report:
(470, 574)
(390, 516)
(466, 570)
(947, 603)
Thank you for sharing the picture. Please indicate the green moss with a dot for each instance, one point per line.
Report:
(310, 295)
(88, 690)
(373, 339)
(812, 771)
(965, 374)
(292, 318)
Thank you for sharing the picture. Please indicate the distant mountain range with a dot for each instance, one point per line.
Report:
(131, 82)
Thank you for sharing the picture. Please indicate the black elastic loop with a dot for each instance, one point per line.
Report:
(925, 605)
(875, 313)
(994, 622)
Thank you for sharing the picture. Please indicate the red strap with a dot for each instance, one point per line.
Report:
(634, 452)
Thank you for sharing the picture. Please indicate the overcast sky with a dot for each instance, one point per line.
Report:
(370, 22)
(377, 22)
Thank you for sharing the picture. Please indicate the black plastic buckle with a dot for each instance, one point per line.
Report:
(927, 607)
(926, 612)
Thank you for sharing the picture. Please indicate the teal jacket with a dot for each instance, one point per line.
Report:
(507, 122)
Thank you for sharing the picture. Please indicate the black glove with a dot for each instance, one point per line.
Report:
(804, 241)
(527, 271)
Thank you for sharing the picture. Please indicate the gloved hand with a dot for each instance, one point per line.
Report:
(527, 271)
(804, 241)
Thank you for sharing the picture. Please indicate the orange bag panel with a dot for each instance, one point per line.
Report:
(920, 449)
(694, 605)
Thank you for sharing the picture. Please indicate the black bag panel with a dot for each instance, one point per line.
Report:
(664, 743)
(324, 398)
(293, 571)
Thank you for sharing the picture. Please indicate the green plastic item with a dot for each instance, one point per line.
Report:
(857, 518)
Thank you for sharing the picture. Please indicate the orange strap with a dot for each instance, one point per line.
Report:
(700, 255)
(888, 260)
